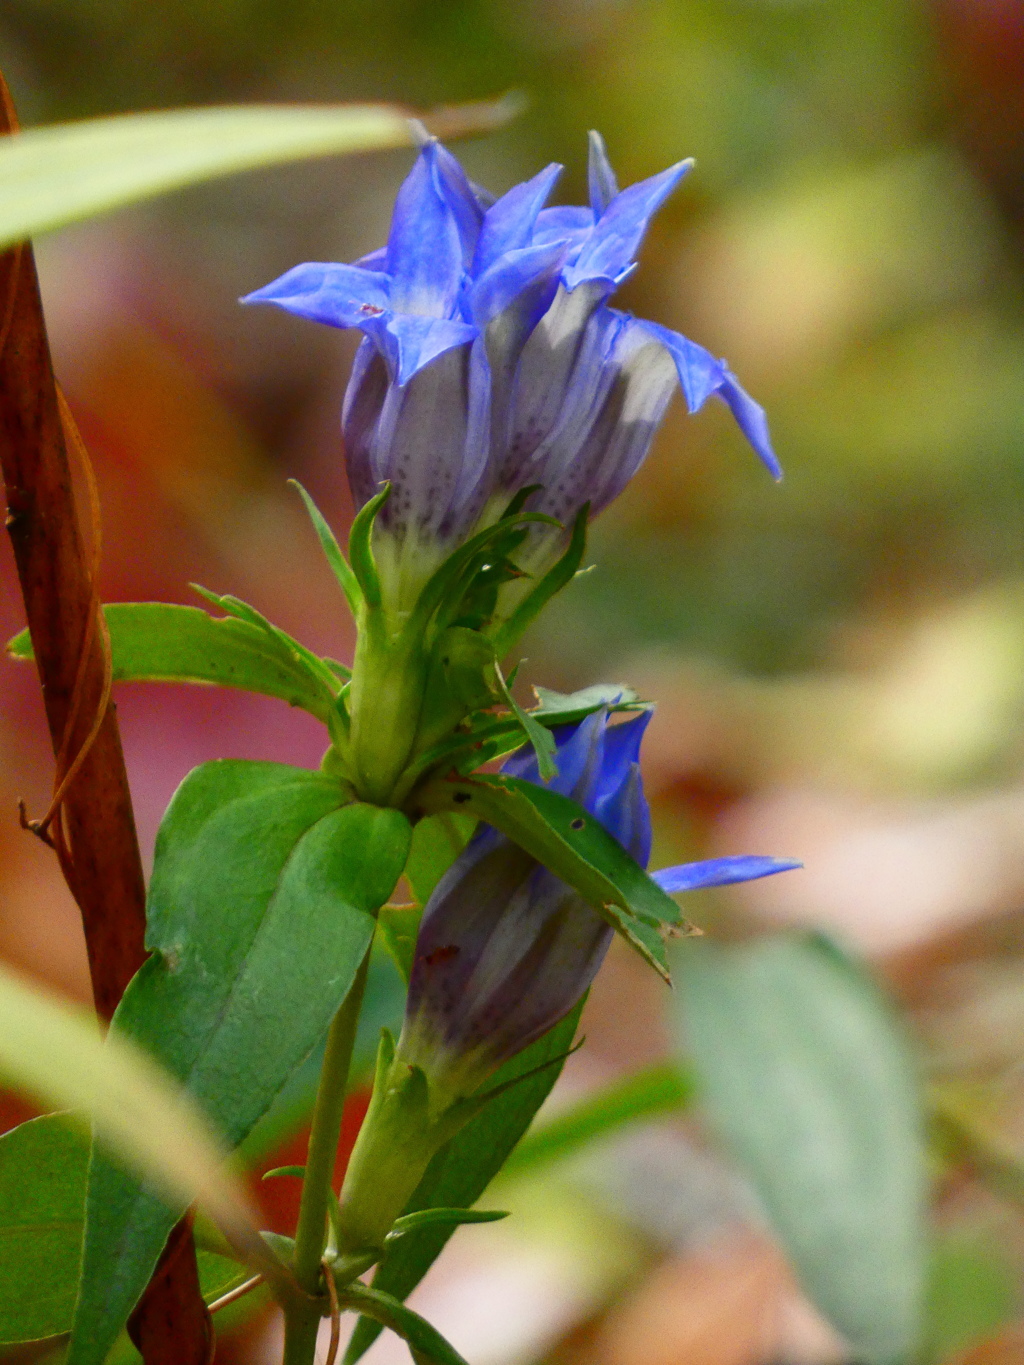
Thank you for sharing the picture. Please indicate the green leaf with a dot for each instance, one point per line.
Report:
(566, 708)
(281, 642)
(427, 1218)
(553, 581)
(260, 911)
(427, 1345)
(66, 172)
(340, 567)
(436, 842)
(808, 1079)
(42, 1208)
(162, 642)
(464, 1167)
(973, 1291)
(542, 740)
(560, 834)
(397, 927)
(360, 549)
(383, 1007)
(54, 1053)
(43, 1169)
(664, 1089)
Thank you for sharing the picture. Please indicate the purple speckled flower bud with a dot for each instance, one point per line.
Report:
(505, 948)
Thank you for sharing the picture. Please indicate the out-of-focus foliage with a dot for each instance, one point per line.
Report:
(839, 660)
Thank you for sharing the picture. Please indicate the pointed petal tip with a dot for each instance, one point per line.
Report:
(421, 135)
(721, 872)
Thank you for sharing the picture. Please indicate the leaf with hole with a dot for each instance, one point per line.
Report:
(560, 834)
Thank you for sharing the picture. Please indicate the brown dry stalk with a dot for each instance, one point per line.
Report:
(90, 820)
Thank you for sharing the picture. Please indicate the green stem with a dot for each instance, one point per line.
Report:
(302, 1319)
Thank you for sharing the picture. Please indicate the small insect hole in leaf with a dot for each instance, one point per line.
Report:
(578, 823)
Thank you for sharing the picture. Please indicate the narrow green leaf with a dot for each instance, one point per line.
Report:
(448, 583)
(66, 172)
(542, 740)
(658, 1090)
(425, 1218)
(560, 834)
(340, 567)
(973, 1291)
(553, 581)
(809, 1081)
(163, 642)
(464, 1167)
(425, 1342)
(260, 910)
(299, 1171)
(360, 549)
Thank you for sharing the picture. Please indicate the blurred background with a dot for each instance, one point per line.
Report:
(839, 660)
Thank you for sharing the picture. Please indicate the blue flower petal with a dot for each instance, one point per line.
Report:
(339, 295)
(373, 260)
(600, 177)
(601, 442)
(508, 225)
(701, 375)
(751, 419)
(621, 751)
(432, 455)
(566, 220)
(511, 274)
(463, 199)
(421, 340)
(626, 815)
(611, 248)
(720, 872)
(424, 252)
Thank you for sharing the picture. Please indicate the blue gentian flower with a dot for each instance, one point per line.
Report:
(505, 948)
(491, 361)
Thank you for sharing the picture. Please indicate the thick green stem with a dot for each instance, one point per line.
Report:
(302, 1319)
(385, 699)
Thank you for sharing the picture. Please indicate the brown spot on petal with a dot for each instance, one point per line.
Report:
(440, 955)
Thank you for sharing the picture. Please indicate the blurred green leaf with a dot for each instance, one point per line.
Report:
(972, 1292)
(43, 1169)
(55, 1053)
(464, 1167)
(644, 1095)
(42, 1206)
(427, 1345)
(164, 642)
(260, 911)
(57, 175)
(808, 1079)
